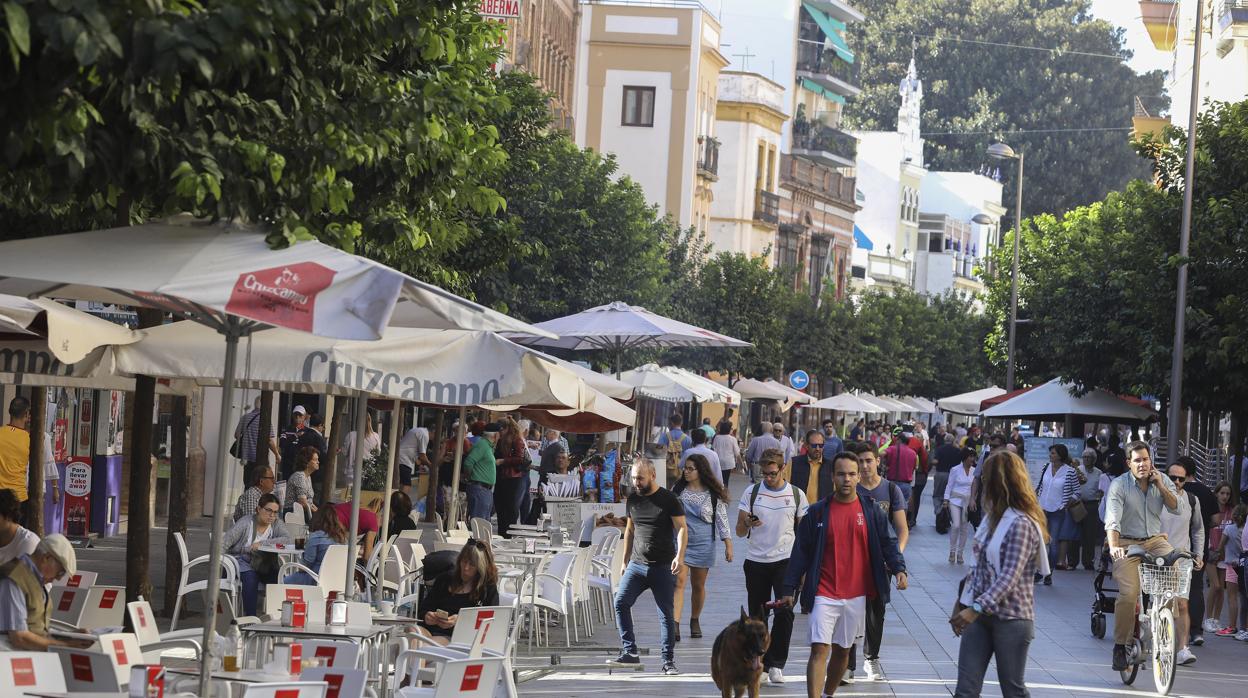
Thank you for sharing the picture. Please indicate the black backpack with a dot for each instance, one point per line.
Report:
(797, 504)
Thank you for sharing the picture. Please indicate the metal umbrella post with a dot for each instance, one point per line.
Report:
(393, 441)
(459, 459)
(361, 416)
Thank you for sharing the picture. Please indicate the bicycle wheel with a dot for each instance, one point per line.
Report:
(1164, 651)
(1133, 662)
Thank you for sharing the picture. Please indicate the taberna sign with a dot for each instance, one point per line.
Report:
(501, 9)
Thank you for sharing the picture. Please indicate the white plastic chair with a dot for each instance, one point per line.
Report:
(32, 671)
(276, 594)
(554, 594)
(333, 573)
(484, 631)
(78, 579)
(185, 586)
(66, 604)
(338, 654)
(481, 529)
(343, 683)
(87, 671)
(105, 608)
(287, 689)
(296, 524)
(123, 649)
(464, 678)
(604, 572)
(152, 643)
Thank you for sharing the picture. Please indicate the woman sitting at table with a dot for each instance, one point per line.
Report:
(472, 582)
(400, 513)
(242, 542)
(327, 530)
(299, 492)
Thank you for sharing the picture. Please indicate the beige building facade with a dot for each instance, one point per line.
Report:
(542, 42)
(646, 91)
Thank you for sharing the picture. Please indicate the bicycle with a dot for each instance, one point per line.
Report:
(1161, 582)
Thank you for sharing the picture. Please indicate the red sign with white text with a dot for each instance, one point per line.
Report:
(281, 296)
(472, 677)
(108, 599)
(80, 665)
(77, 499)
(506, 9)
(23, 671)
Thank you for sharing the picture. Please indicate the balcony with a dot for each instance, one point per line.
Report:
(823, 144)
(708, 157)
(1159, 19)
(1231, 13)
(827, 69)
(823, 182)
(767, 207)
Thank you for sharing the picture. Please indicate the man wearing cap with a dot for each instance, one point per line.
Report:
(481, 471)
(290, 440)
(24, 608)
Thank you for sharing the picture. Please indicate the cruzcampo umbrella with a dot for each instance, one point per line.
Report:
(1057, 400)
(968, 403)
(847, 402)
(226, 276)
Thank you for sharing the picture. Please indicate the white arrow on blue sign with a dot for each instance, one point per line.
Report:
(799, 379)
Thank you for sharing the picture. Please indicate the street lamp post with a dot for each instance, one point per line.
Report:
(1002, 151)
(1185, 234)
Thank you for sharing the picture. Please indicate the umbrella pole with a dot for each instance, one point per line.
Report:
(459, 459)
(395, 424)
(218, 505)
(361, 417)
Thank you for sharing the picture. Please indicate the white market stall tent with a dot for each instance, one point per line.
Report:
(968, 403)
(1056, 400)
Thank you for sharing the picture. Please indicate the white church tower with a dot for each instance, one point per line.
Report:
(909, 116)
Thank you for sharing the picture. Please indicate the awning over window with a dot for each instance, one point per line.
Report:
(820, 90)
(861, 239)
(832, 28)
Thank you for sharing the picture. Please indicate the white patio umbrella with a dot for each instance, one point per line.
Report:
(921, 405)
(752, 389)
(44, 343)
(793, 397)
(968, 403)
(226, 276)
(847, 402)
(1054, 400)
(677, 385)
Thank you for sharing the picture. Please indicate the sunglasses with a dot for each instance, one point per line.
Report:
(1178, 478)
(477, 544)
(818, 446)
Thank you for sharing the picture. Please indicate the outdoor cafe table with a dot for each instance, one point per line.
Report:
(288, 552)
(531, 562)
(242, 676)
(372, 639)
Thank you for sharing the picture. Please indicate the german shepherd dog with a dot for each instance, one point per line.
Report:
(737, 656)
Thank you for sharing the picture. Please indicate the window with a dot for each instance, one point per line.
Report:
(638, 106)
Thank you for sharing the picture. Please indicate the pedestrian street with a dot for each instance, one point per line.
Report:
(919, 653)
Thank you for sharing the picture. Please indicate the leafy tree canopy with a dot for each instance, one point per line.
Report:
(982, 92)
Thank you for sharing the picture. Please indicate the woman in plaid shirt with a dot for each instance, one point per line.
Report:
(995, 613)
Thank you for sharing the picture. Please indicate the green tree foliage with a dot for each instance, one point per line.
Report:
(1099, 285)
(315, 119)
(982, 89)
(575, 233)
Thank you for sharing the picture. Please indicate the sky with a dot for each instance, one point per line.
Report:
(1126, 14)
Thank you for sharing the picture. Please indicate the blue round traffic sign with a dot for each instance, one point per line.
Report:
(799, 379)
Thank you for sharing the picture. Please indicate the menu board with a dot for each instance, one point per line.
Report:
(1036, 450)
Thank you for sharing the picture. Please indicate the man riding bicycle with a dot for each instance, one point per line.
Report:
(1133, 517)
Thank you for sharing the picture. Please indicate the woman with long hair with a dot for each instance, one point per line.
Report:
(472, 582)
(706, 515)
(299, 492)
(1057, 491)
(326, 530)
(511, 454)
(400, 513)
(996, 609)
(1217, 580)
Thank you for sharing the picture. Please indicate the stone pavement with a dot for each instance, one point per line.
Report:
(919, 653)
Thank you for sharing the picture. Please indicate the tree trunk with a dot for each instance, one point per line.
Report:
(177, 502)
(138, 531)
(338, 431)
(34, 480)
(265, 428)
(435, 469)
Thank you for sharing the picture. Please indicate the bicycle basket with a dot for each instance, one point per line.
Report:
(1166, 579)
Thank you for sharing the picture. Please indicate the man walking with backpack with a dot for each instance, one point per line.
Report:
(676, 441)
(767, 517)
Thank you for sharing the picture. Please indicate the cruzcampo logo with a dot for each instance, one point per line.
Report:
(283, 296)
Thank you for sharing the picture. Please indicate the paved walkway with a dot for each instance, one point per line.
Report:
(919, 653)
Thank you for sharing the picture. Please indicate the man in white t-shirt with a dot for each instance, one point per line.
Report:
(413, 453)
(768, 516)
(698, 436)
